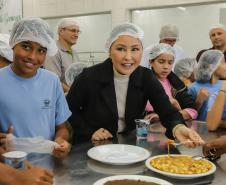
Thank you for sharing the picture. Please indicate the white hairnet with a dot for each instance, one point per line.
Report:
(217, 26)
(74, 70)
(5, 50)
(207, 64)
(185, 67)
(169, 31)
(125, 29)
(159, 49)
(35, 30)
(67, 22)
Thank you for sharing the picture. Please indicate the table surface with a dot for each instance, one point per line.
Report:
(78, 169)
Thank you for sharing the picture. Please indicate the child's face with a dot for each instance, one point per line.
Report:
(163, 65)
(27, 58)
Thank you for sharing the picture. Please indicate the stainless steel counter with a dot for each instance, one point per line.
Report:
(79, 169)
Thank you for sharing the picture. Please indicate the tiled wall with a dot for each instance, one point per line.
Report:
(118, 8)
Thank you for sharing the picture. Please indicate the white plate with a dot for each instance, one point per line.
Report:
(133, 177)
(178, 176)
(118, 154)
(136, 168)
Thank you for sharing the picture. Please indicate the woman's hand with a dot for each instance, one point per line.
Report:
(101, 134)
(188, 136)
(63, 149)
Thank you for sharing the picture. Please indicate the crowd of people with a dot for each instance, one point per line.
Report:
(105, 99)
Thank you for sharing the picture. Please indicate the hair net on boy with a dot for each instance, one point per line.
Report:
(35, 30)
(74, 70)
(5, 50)
(185, 67)
(169, 31)
(67, 22)
(159, 49)
(208, 63)
(125, 29)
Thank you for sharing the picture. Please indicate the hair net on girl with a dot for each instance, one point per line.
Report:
(169, 31)
(185, 67)
(125, 29)
(74, 70)
(35, 30)
(159, 49)
(207, 64)
(5, 50)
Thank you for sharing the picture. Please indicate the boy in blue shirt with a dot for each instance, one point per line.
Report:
(31, 98)
(212, 105)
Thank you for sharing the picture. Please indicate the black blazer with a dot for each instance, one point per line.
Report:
(180, 92)
(92, 100)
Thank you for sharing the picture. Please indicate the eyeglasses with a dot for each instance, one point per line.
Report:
(73, 30)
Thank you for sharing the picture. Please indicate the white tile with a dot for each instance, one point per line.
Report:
(47, 10)
(94, 6)
(74, 7)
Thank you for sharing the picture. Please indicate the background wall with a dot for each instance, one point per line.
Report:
(193, 22)
(97, 17)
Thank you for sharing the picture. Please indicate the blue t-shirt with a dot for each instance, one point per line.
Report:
(207, 104)
(34, 106)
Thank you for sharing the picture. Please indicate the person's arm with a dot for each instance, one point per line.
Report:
(214, 115)
(185, 114)
(62, 113)
(170, 117)
(65, 87)
(77, 101)
(62, 137)
(202, 95)
(30, 176)
(216, 147)
(62, 132)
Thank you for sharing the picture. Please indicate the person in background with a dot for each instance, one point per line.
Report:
(184, 69)
(68, 32)
(161, 62)
(217, 36)
(6, 53)
(215, 147)
(212, 108)
(169, 34)
(74, 70)
(105, 99)
(32, 102)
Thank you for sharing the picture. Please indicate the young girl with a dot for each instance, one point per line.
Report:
(105, 99)
(211, 67)
(161, 61)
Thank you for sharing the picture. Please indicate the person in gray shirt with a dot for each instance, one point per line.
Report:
(68, 33)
